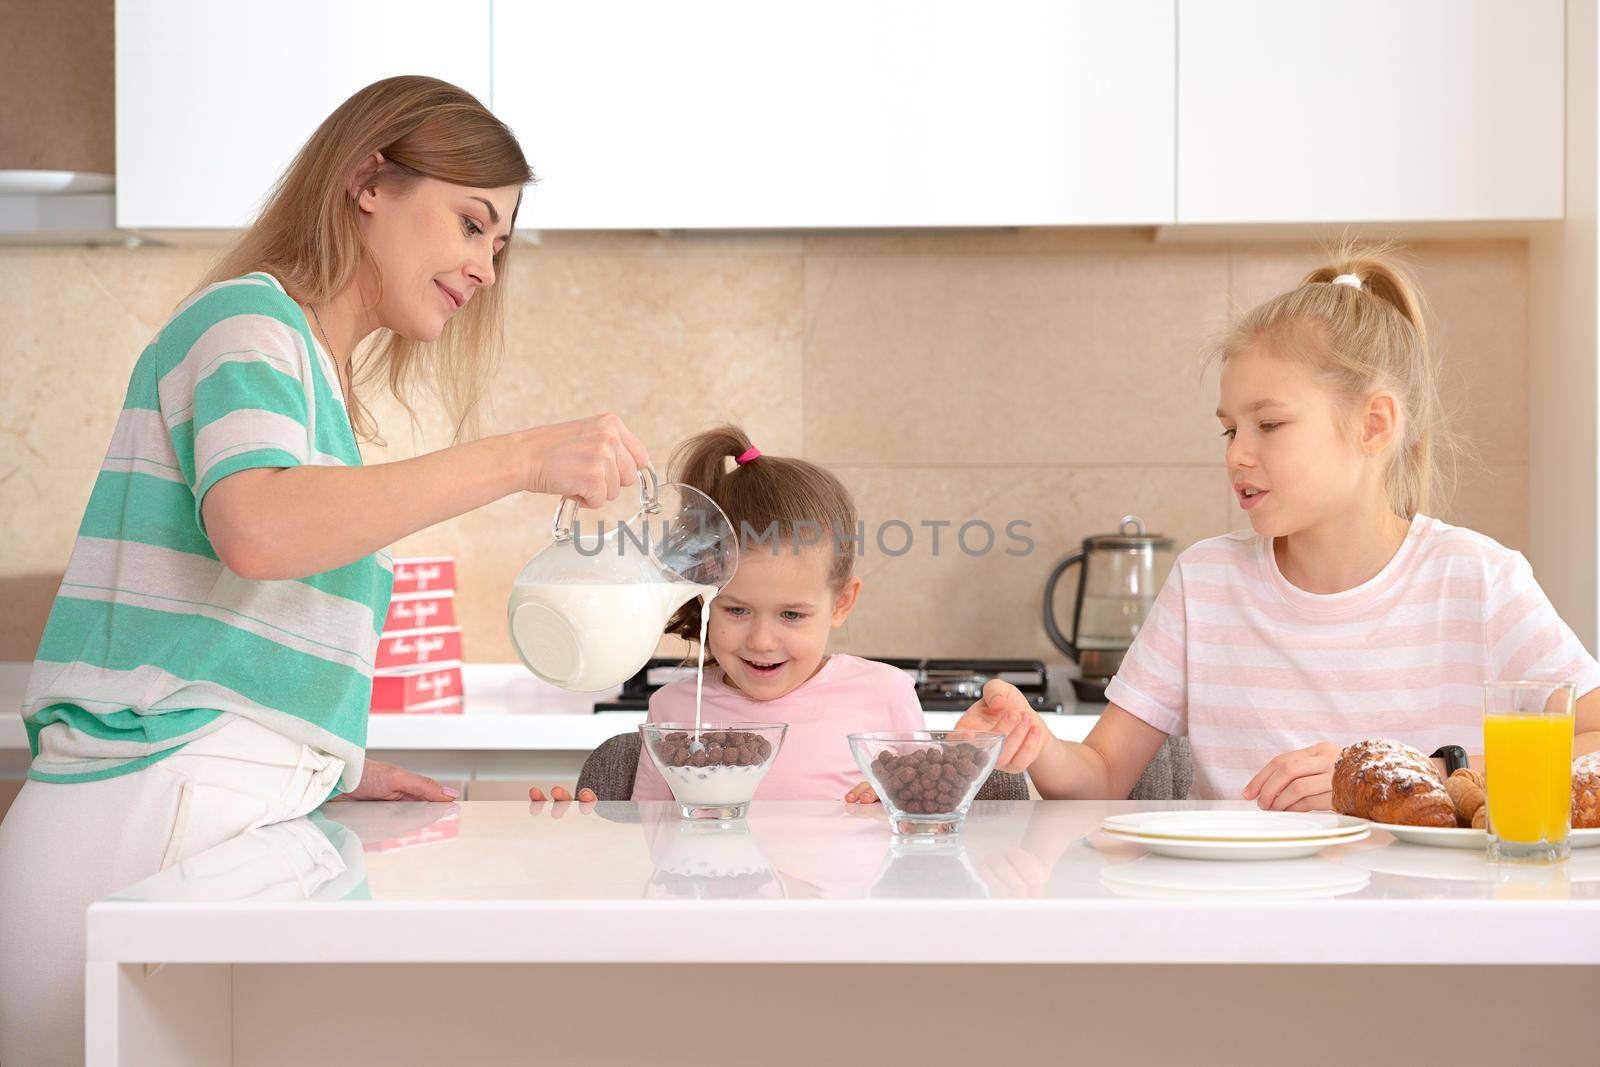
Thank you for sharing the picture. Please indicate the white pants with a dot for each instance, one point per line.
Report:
(64, 846)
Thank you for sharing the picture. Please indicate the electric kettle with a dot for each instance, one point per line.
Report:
(1121, 574)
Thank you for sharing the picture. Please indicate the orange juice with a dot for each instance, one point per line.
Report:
(1528, 765)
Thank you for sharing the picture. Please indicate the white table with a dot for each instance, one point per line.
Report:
(405, 933)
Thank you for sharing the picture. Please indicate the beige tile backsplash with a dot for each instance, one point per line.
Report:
(1058, 359)
(1051, 377)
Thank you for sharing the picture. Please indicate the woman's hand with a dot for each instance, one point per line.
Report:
(385, 781)
(862, 793)
(1301, 780)
(1005, 710)
(591, 459)
(271, 523)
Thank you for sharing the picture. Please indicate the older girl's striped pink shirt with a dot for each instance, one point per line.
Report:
(1249, 666)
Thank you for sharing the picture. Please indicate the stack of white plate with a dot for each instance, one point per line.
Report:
(1236, 835)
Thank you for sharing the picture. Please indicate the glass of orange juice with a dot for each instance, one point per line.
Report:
(1527, 763)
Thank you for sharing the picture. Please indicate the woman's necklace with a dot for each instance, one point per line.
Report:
(337, 368)
(329, 346)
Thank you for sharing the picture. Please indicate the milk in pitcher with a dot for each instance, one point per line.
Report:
(587, 636)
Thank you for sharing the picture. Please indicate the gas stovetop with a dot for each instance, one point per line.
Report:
(942, 684)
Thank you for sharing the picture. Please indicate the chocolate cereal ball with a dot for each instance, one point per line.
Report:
(718, 748)
(926, 781)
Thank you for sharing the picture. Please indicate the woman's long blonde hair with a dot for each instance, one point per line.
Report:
(307, 235)
(1358, 341)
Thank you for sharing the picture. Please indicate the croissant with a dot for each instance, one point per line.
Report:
(1467, 793)
(1386, 781)
(1586, 792)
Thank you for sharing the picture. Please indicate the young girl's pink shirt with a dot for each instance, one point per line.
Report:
(848, 695)
(1249, 666)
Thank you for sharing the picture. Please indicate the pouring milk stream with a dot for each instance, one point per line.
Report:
(587, 612)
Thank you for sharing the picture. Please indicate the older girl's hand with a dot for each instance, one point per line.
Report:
(1005, 710)
(1301, 780)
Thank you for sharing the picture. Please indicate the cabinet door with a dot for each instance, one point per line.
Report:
(837, 113)
(1386, 110)
(214, 97)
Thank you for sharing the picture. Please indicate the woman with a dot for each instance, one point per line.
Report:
(207, 664)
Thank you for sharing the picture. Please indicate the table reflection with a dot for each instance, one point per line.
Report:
(795, 851)
(309, 858)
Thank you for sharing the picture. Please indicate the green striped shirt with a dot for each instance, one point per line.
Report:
(151, 641)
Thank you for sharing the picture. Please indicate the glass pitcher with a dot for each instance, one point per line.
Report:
(1122, 573)
(587, 612)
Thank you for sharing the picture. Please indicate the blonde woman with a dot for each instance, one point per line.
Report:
(207, 663)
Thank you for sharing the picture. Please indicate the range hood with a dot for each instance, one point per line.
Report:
(59, 207)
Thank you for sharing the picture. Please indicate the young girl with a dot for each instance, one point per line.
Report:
(207, 664)
(767, 646)
(1348, 612)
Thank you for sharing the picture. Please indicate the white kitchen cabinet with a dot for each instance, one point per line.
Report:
(1369, 110)
(835, 113)
(214, 97)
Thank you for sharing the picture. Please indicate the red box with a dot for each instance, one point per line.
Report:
(444, 829)
(420, 690)
(424, 574)
(417, 611)
(416, 648)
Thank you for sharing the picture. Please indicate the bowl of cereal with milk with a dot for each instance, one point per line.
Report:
(927, 778)
(713, 771)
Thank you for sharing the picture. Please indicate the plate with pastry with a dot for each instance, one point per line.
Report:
(1391, 783)
(1437, 836)
(1586, 799)
(1398, 789)
(1468, 837)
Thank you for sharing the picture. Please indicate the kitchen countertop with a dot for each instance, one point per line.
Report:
(506, 708)
(817, 882)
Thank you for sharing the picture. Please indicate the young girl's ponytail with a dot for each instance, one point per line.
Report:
(775, 503)
(701, 462)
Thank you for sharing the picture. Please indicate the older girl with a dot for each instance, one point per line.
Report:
(1347, 612)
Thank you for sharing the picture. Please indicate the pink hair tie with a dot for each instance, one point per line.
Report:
(747, 455)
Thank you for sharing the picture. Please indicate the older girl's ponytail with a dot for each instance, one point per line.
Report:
(1359, 324)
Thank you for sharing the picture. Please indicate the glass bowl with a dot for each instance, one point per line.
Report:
(926, 779)
(705, 860)
(714, 775)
